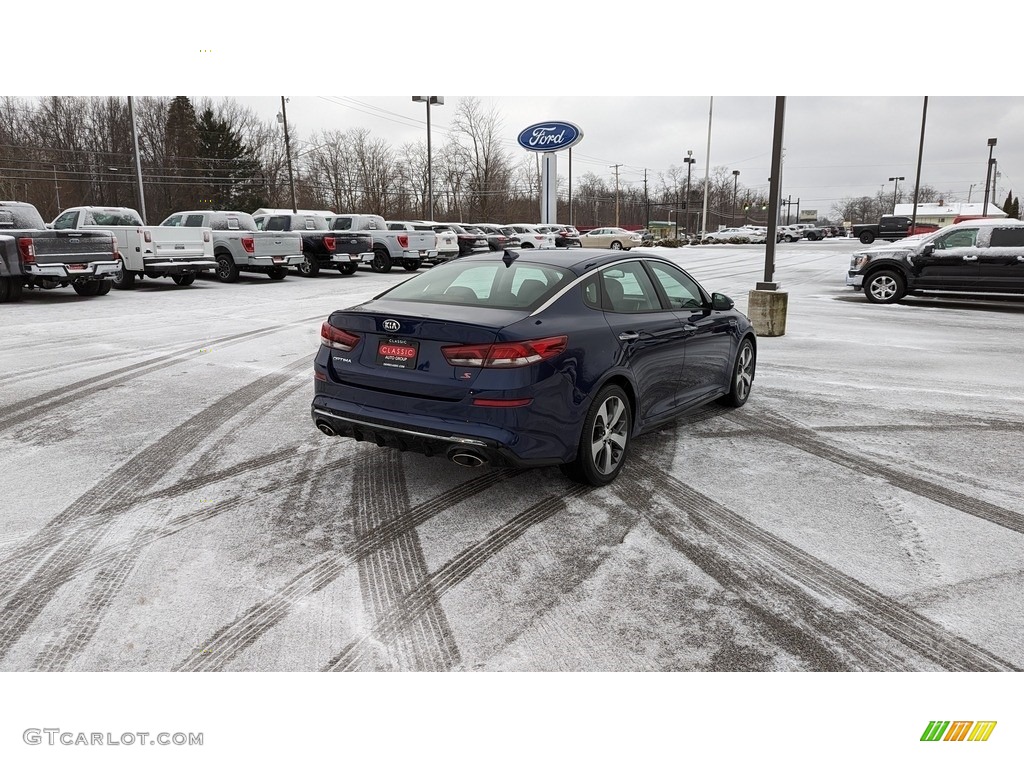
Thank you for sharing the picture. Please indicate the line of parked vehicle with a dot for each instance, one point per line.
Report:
(94, 248)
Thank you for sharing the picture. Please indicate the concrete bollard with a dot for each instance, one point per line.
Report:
(766, 308)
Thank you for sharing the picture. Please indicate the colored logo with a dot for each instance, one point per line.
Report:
(550, 136)
(958, 730)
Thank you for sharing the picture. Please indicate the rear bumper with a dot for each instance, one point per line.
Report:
(352, 258)
(178, 266)
(451, 443)
(276, 261)
(95, 269)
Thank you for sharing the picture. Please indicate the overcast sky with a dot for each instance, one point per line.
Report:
(638, 83)
(835, 146)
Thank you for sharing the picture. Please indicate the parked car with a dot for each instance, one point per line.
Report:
(548, 357)
(811, 231)
(471, 239)
(146, 252)
(387, 247)
(565, 236)
(981, 256)
(31, 256)
(531, 237)
(789, 233)
(615, 238)
(446, 242)
(239, 247)
(320, 246)
(734, 234)
(498, 237)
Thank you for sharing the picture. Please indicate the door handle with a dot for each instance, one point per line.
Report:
(1020, 258)
(970, 258)
(629, 336)
(689, 327)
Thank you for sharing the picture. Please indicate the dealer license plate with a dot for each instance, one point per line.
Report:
(397, 353)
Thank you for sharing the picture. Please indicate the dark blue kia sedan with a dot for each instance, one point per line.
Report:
(531, 358)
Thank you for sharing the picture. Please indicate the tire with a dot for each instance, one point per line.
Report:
(604, 442)
(184, 280)
(10, 289)
(277, 273)
(88, 288)
(788, 238)
(867, 237)
(885, 287)
(411, 266)
(308, 267)
(527, 245)
(124, 279)
(104, 288)
(381, 261)
(742, 375)
(227, 270)
(616, 245)
(347, 269)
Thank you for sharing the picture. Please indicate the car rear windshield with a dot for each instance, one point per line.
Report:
(522, 285)
(114, 218)
(20, 217)
(231, 220)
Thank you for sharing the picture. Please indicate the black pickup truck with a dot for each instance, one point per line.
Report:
(890, 228)
(321, 246)
(32, 256)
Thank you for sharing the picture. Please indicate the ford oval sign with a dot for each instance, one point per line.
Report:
(550, 136)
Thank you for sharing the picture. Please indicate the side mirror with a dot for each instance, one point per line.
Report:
(720, 302)
(928, 250)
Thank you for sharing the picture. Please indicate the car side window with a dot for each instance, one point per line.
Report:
(592, 293)
(627, 288)
(174, 221)
(276, 223)
(66, 220)
(194, 220)
(681, 289)
(1007, 237)
(961, 238)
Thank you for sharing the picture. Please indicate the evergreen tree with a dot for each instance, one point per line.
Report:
(181, 146)
(228, 168)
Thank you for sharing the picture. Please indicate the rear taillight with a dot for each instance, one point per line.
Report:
(114, 239)
(206, 235)
(514, 354)
(335, 338)
(491, 403)
(329, 242)
(27, 250)
(249, 244)
(147, 236)
(403, 240)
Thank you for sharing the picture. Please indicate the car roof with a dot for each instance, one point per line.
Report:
(570, 259)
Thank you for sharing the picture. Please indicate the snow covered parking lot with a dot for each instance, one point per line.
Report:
(168, 504)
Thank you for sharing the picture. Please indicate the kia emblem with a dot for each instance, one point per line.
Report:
(391, 325)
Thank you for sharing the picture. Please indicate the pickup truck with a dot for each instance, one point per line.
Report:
(890, 228)
(320, 246)
(145, 251)
(410, 249)
(239, 247)
(446, 241)
(31, 256)
(981, 256)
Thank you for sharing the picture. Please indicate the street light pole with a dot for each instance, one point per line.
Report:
(895, 191)
(988, 176)
(735, 184)
(428, 100)
(689, 165)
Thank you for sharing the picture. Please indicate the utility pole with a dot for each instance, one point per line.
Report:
(689, 159)
(288, 152)
(647, 204)
(616, 167)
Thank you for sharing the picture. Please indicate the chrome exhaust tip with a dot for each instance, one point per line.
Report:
(465, 458)
(326, 428)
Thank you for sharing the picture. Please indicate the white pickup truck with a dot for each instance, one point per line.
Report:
(239, 247)
(410, 249)
(176, 252)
